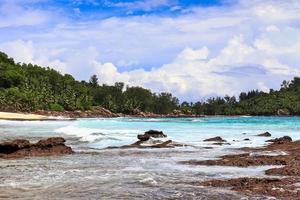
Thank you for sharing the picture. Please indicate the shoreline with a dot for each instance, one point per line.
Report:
(103, 113)
(22, 116)
(11, 116)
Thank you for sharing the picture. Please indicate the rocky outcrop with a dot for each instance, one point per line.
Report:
(175, 114)
(281, 188)
(241, 160)
(281, 152)
(265, 134)
(47, 147)
(215, 139)
(281, 140)
(151, 139)
(95, 112)
(151, 133)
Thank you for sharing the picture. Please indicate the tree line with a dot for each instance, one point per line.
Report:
(28, 87)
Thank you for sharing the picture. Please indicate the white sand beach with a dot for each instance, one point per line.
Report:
(21, 116)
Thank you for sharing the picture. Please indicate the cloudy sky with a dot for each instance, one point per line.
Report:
(192, 48)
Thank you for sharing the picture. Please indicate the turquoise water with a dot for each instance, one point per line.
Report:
(99, 173)
(101, 133)
(123, 131)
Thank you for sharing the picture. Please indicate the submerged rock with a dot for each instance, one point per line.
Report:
(215, 139)
(282, 188)
(46, 147)
(265, 134)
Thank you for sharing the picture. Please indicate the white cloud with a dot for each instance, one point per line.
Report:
(24, 51)
(191, 75)
(13, 14)
(272, 28)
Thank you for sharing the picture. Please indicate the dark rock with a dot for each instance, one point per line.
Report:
(166, 144)
(215, 139)
(155, 134)
(221, 143)
(149, 140)
(142, 145)
(22, 148)
(265, 134)
(10, 147)
(281, 140)
(151, 134)
(143, 137)
(246, 139)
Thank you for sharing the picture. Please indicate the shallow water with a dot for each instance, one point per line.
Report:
(96, 173)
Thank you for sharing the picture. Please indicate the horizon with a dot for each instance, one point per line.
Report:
(192, 49)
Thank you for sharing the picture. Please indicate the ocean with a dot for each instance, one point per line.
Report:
(95, 172)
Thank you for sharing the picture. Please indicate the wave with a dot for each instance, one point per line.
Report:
(96, 135)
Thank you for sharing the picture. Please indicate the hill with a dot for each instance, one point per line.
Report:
(28, 88)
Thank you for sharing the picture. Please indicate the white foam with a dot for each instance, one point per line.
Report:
(95, 134)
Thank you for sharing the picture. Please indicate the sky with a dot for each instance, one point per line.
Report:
(194, 49)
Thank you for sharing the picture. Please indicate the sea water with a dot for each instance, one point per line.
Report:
(99, 173)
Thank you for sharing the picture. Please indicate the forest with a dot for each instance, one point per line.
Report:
(28, 87)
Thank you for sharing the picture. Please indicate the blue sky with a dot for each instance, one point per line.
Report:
(194, 49)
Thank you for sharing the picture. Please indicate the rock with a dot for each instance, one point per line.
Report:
(283, 112)
(149, 140)
(153, 144)
(143, 137)
(10, 147)
(155, 134)
(54, 141)
(278, 188)
(46, 147)
(221, 143)
(151, 134)
(265, 134)
(246, 139)
(166, 144)
(94, 112)
(281, 140)
(285, 154)
(215, 139)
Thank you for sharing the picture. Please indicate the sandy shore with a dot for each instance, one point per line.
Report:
(22, 116)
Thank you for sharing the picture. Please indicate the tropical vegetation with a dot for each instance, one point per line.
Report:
(28, 87)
